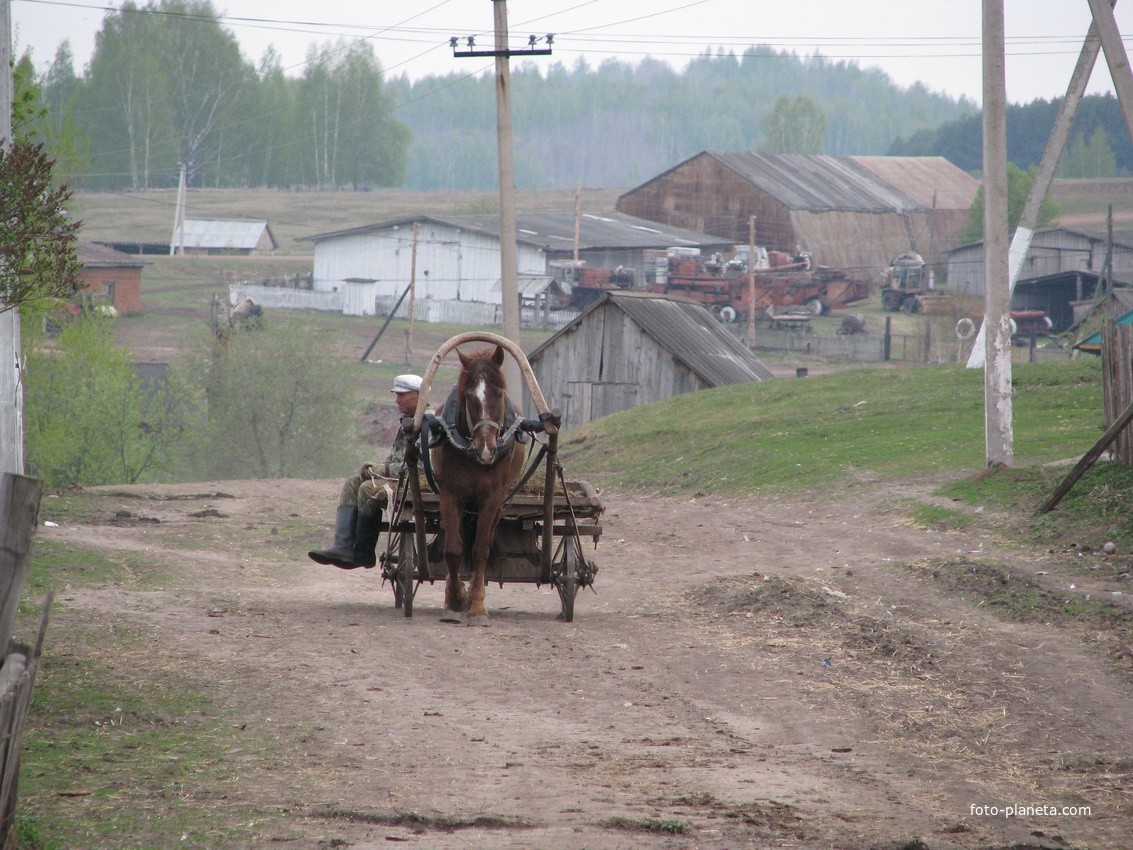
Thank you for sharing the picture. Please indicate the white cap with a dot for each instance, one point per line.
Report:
(406, 384)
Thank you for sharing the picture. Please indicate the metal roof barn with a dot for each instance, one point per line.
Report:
(851, 213)
(1053, 250)
(630, 349)
(216, 236)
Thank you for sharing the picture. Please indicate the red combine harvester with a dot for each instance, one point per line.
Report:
(722, 286)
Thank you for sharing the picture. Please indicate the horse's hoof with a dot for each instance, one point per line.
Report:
(478, 620)
(450, 616)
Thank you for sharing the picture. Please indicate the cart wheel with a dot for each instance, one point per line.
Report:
(566, 582)
(406, 573)
(389, 562)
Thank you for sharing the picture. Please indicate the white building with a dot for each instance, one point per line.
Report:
(458, 257)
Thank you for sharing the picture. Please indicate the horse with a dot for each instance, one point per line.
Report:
(474, 470)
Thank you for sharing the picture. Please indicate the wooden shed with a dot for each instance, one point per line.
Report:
(110, 277)
(1053, 251)
(629, 349)
(852, 213)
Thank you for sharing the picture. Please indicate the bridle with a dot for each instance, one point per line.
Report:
(480, 423)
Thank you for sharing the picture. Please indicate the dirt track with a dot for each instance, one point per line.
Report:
(759, 674)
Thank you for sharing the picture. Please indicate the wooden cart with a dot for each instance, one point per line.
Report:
(539, 539)
(516, 557)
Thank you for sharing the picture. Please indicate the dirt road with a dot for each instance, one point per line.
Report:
(747, 675)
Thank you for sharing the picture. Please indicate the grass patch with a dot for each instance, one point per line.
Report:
(1099, 509)
(113, 758)
(940, 519)
(56, 564)
(664, 826)
(850, 428)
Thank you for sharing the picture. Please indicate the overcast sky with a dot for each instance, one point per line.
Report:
(935, 42)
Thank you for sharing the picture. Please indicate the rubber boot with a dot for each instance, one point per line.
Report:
(341, 551)
(366, 539)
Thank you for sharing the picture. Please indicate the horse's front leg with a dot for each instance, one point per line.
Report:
(455, 600)
(486, 524)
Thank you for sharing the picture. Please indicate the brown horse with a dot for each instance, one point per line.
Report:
(474, 471)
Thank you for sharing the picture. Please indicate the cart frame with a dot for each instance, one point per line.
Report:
(525, 549)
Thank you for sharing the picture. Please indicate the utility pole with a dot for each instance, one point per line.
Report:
(412, 298)
(751, 283)
(509, 261)
(577, 217)
(997, 295)
(178, 239)
(1063, 123)
(11, 385)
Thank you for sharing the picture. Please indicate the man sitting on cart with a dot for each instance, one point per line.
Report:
(358, 520)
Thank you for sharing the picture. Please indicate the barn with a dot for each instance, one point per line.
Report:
(1054, 250)
(1061, 275)
(851, 212)
(111, 278)
(218, 236)
(458, 257)
(629, 349)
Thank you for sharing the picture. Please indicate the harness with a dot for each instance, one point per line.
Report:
(435, 429)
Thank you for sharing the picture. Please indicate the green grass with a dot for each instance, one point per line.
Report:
(664, 826)
(123, 747)
(113, 758)
(862, 425)
(941, 519)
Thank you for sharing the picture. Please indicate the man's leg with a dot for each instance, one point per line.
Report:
(341, 552)
(371, 498)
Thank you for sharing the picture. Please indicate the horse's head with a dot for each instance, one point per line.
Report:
(482, 393)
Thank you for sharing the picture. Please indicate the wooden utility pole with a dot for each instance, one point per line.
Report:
(412, 298)
(509, 260)
(751, 283)
(997, 295)
(577, 218)
(11, 385)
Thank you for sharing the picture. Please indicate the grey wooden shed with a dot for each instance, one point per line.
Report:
(631, 348)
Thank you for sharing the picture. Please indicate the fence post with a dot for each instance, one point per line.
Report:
(886, 348)
(19, 512)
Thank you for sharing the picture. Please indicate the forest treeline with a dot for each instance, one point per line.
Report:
(1099, 144)
(167, 85)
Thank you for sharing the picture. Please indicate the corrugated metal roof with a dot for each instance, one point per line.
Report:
(688, 331)
(555, 231)
(922, 177)
(228, 235)
(95, 256)
(817, 182)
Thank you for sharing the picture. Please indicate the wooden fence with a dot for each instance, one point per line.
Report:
(19, 512)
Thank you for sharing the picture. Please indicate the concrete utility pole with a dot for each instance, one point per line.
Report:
(1044, 176)
(11, 384)
(177, 242)
(509, 260)
(997, 295)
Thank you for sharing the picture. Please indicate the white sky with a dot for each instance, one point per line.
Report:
(935, 42)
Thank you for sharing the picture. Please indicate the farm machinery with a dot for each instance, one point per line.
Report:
(906, 286)
(721, 285)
